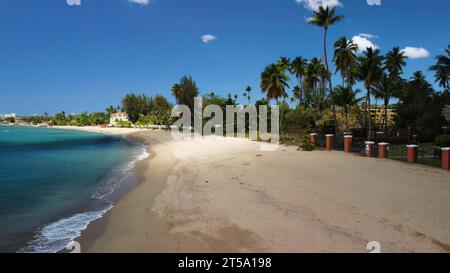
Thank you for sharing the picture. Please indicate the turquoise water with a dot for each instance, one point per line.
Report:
(54, 182)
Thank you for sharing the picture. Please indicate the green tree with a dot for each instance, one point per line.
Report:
(386, 88)
(326, 17)
(136, 106)
(274, 81)
(162, 109)
(185, 92)
(442, 70)
(344, 57)
(394, 62)
(370, 72)
(298, 67)
(345, 97)
(246, 94)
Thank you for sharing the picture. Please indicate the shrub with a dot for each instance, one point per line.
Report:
(307, 144)
(443, 141)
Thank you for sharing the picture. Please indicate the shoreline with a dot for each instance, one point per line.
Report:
(138, 164)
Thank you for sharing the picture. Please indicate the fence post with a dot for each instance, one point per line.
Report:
(369, 148)
(313, 137)
(446, 158)
(383, 150)
(329, 142)
(412, 153)
(348, 139)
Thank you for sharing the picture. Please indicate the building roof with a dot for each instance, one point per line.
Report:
(119, 114)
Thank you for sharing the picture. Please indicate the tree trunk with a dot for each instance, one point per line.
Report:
(386, 105)
(369, 113)
(329, 80)
(346, 118)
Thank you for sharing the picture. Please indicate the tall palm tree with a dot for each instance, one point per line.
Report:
(185, 91)
(344, 56)
(370, 71)
(274, 81)
(297, 95)
(346, 98)
(395, 61)
(326, 17)
(297, 68)
(442, 70)
(284, 62)
(246, 95)
(386, 88)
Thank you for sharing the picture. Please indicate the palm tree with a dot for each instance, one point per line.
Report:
(370, 72)
(395, 61)
(345, 97)
(274, 81)
(326, 17)
(344, 56)
(297, 68)
(297, 95)
(442, 70)
(246, 94)
(386, 88)
(284, 62)
(185, 91)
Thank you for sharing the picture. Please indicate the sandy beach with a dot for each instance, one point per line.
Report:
(225, 195)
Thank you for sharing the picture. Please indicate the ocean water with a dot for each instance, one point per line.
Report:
(53, 183)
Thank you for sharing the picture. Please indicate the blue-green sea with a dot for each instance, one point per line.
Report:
(54, 182)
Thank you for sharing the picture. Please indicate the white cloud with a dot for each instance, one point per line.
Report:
(208, 38)
(368, 36)
(140, 2)
(415, 52)
(315, 4)
(73, 2)
(363, 42)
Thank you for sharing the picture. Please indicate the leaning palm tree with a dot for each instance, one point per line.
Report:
(274, 82)
(344, 56)
(326, 17)
(297, 68)
(442, 70)
(370, 72)
(386, 88)
(395, 61)
(345, 97)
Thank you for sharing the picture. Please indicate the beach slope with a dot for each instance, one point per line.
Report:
(225, 195)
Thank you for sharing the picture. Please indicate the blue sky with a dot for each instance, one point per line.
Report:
(55, 56)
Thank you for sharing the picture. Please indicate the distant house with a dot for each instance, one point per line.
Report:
(118, 117)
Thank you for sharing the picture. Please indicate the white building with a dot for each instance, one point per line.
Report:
(118, 117)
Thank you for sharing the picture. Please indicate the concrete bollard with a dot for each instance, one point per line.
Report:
(370, 149)
(329, 142)
(313, 138)
(412, 153)
(446, 158)
(348, 143)
(383, 150)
